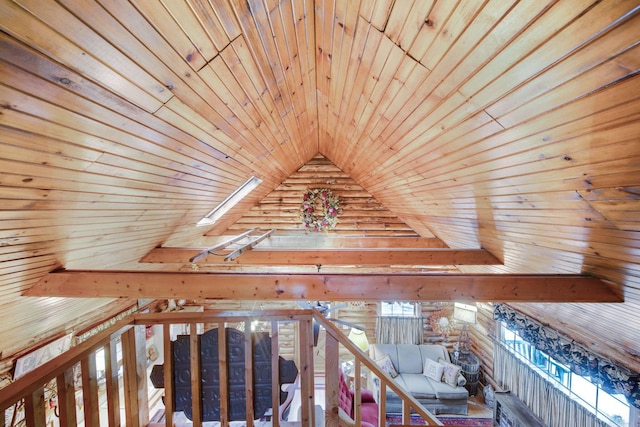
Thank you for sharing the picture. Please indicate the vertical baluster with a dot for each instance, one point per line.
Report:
(382, 400)
(66, 398)
(112, 383)
(248, 373)
(90, 391)
(357, 395)
(134, 359)
(331, 373)
(196, 389)
(34, 411)
(275, 375)
(224, 375)
(306, 372)
(168, 376)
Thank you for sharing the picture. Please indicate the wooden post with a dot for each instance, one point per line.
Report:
(306, 373)
(275, 375)
(196, 389)
(224, 375)
(34, 411)
(382, 401)
(90, 391)
(112, 383)
(66, 398)
(331, 373)
(357, 395)
(248, 373)
(168, 375)
(134, 360)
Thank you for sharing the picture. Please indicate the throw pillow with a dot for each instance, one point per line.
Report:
(433, 369)
(450, 373)
(386, 365)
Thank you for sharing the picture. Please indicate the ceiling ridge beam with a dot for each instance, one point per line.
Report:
(337, 256)
(327, 287)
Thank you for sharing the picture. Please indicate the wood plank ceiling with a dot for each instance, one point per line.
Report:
(504, 125)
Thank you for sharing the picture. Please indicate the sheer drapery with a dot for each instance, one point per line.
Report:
(399, 330)
(551, 405)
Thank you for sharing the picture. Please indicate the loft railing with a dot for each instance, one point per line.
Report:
(26, 397)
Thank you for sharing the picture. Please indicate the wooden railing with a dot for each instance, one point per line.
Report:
(409, 403)
(28, 392)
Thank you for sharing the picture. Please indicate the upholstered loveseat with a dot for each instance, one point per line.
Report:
(426, 372)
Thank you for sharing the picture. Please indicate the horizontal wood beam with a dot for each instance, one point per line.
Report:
(322, 241)
(327, 287)
(340, 256)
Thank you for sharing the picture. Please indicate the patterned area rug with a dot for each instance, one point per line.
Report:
(447, 421)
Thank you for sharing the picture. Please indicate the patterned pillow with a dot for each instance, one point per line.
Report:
(386, 365)
(450, 373)
(433, 369)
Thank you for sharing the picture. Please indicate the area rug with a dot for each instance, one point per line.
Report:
(447, 421)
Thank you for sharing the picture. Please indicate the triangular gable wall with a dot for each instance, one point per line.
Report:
(361, 215)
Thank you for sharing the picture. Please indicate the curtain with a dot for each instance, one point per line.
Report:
(551, 405)
(399, 330)
(609, 375)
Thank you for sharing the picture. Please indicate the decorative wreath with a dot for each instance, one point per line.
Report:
(319, 209)
(439, 321)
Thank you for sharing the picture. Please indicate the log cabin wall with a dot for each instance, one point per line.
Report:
(505, 125)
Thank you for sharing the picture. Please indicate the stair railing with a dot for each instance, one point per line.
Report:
(130, 334)
(409, 403)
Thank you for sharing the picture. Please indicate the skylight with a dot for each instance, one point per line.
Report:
(230, 201)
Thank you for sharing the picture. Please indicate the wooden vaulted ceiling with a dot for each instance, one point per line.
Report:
(509, 127)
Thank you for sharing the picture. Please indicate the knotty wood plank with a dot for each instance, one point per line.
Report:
(134, 357)
(34, 411)
(112, 385)
(334, 256)
(67, 398)
(434, 287)
(122, 75)
(331, 373)
(196, 389)
(248, 375)
(192, 26)
(276, 241)
(276, 416)
(91, 406)
(224, 374)
(165, 25)
(168, 374)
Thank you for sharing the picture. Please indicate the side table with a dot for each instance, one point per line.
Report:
(470, 365)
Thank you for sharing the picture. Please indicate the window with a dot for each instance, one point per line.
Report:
(398, 308)
(611, 408)
(230, 201)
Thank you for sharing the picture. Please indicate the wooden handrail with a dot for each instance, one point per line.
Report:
(31, 381)
(31, 386)
(409, 402)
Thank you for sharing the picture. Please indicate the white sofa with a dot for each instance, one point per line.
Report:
(409, 363)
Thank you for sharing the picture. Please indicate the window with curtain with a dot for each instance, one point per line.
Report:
(554, 393)
(399, 323)
(400, 308)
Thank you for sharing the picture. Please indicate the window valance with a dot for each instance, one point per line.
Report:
(604, 372)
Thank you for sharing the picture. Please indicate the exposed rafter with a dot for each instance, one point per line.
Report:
(338, 256)
(435, 287)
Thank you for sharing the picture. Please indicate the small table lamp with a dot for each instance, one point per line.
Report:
(359, 338)
(467, 314)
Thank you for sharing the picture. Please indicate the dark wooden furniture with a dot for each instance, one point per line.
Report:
(509, 411)
(208, 344)
(470, 365)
